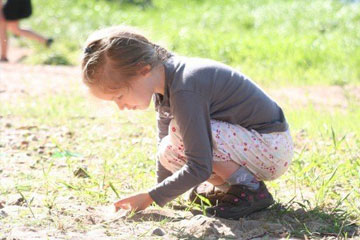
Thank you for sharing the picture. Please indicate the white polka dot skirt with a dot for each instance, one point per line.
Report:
(267, 156)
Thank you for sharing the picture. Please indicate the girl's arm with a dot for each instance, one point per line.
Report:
(191, 111)
(136, 202)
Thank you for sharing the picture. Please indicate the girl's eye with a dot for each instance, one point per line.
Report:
(119, 97)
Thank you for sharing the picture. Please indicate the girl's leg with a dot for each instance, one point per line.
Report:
(172, 157)
(13, 26)
(267, 156)
(216, 180)
(225, 169)
(241, 158)
(3, 39)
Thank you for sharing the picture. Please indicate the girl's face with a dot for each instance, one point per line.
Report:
(136, 97)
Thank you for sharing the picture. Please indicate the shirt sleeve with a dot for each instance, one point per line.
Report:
(191, 113)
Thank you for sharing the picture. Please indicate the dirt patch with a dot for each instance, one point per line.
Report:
(28, 148)
(103, 223)
(18, 80)
(320, 97)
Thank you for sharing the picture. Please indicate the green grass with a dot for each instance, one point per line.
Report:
(119, 150)
(276, 42)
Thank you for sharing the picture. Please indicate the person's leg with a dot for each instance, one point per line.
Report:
(14, 27)
(3, 39)
(171, 154)
(266, 156)
(161, 172)
(225, 170)
(242, 158)
(216, 180)
(171, 157)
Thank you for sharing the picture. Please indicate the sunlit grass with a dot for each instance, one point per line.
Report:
(274, 42)
(120, 149)
(277, 43)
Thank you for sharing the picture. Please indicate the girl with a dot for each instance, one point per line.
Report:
(214, 123)
(10, 14)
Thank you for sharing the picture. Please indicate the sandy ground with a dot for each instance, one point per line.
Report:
(17, 80)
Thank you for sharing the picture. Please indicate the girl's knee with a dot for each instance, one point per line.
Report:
(163, 151)
(170, 155)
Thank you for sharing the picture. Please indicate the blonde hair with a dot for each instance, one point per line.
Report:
(124, 49)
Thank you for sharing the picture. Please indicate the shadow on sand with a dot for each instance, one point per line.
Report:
(279, 221)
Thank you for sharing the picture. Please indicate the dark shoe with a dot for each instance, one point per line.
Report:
(4, 60)
(49, 42)
(207, 191)
(240, 201)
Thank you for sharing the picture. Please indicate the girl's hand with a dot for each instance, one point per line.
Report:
(136, 202)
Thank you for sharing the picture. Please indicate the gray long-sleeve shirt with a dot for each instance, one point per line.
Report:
(197, 90)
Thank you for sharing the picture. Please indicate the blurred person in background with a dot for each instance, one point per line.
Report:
(10, 14)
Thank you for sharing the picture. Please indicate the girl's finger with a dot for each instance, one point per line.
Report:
(121, 204)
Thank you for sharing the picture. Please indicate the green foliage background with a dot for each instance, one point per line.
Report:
(276, 42)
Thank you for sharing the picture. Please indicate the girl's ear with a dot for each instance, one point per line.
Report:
(145, 70)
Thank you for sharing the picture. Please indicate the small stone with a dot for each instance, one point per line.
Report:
(3, 214)
(34, 138)
(8, 125)
(81, 173)
(158, 232)
(18, 202)
(70, 134)
(212, 237)
(92, 220)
